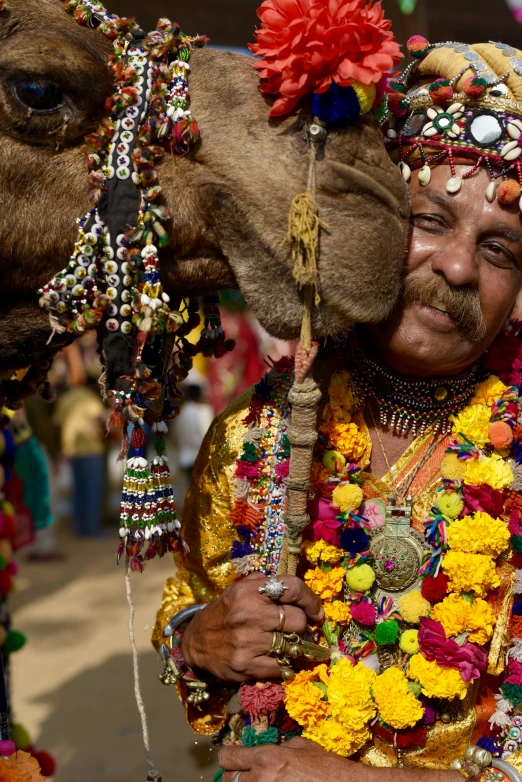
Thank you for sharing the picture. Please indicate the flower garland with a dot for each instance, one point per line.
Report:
(398, 662)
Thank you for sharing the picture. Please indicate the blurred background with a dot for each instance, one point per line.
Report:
(72, 691)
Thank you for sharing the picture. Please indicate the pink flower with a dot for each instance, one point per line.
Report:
(248, 470)
(468, 659)
(323, 525)
(364, 613)
(372, 511)
(482, 498)
(259, 700)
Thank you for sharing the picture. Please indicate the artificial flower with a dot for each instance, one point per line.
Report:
(261, 699)
(338, 612)
(478, 534)
(303, 700)
(409, 641)
(360, 578)
(398, 707)
(450, 504)
(20, 767)
(323, 525)
(482, 498)
(346, 438)
(452, 468)
(322, 551)
(347, 497)
(489, 391)
(349, 694)
(467, 658)
(457, 615)
(470, 572)
(334, 737)
(473, 424)
(492, 470)
(306, 46)
(436, 682)
(412, 606)
(326, 585)
(373, 511)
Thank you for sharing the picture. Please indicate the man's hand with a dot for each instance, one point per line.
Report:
(304, 761)
(230, 638)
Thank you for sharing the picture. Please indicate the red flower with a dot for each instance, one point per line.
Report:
(258, 700)
(469, 659)
(308, 44)
(482, 498)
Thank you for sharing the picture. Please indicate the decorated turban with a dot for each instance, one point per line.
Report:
(459, 103)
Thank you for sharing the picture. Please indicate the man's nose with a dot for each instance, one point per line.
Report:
(458, 263)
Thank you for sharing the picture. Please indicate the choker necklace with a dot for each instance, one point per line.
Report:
(407, 403)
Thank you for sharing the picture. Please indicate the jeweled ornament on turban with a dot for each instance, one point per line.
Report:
(459, 101)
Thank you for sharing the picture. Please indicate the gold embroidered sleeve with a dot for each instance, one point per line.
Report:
(205, 571)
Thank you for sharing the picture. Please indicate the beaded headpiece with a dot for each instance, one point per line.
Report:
(459, 101)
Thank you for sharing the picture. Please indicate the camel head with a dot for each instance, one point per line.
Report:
(229, 197)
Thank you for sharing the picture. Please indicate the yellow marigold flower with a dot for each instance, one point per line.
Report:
(342, 399)
(360, 578)
(321, 550)
(326, 585)
(304, 701)
(450, 504)
(489, 391)
(338, 612)
(436, 682)
(453, 614)
(347, 497)
(346, 438)
(478, 534)
(409, 641)
(334, 737)
(470, 572)
(349, 694)
(412, 606)
(397, 706)
(492, 470)
(481, 621)
(473, 422)
(452, 468)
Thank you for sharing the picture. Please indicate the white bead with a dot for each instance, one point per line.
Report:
(425, 176)
(165, 297)
(431, 132)
(392, 133)
(405, 171)
(145, 299)
(141, 421)
(170, 111)
(491, 192)
(432, 113)
(513, 130)
(123, 532)
(454, 184)
(455, 108)
(170, 526)
(517, 123)
(154, 427)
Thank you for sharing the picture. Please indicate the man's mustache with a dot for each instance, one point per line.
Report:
(462, 304)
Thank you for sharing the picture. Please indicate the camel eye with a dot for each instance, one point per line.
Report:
(39, 95)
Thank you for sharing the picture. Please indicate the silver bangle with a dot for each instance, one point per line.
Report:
(509, 770)
(184, 616)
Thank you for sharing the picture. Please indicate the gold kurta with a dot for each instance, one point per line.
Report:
(207, 570)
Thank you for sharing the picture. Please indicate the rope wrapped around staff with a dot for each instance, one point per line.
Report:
(304, 226)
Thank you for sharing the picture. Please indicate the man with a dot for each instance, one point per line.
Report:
(410, 423)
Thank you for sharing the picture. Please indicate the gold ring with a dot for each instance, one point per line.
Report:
(282, 619)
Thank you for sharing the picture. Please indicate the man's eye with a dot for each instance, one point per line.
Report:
(39, 95)
(499, 255)
(428, 222)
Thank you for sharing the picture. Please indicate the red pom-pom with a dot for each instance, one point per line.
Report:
(7, 748)
(418, 46)
(138, 437)
(397, 104)
(6, 582)
(508, 192)
(475, 86)
(47, 763)
(435, 588)
(441, 91)
(500, 435)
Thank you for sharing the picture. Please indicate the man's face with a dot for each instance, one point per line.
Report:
(464, 272)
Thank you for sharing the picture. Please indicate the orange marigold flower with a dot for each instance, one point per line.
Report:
(20, 767)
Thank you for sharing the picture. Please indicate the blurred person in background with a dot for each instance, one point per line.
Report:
(192, 424)
(80, 415)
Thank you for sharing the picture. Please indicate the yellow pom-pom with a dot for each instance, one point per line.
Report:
(412, 606)
(365, 95)
(409, 641)
(453, 468)
(360, 578)
(347, 497)
(450, 504)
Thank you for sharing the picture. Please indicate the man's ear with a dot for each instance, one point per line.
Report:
(517, 307)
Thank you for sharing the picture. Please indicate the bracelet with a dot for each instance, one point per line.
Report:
(479, 764)
(176, 667)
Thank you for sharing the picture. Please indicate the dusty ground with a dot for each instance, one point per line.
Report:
(72, 683)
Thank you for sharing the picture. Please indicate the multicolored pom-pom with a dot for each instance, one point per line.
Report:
(441, 91)
(475, 87)
(508, 192)
(418, 46)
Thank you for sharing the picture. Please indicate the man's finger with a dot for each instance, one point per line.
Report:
(295, 619)
(265, 668)
(299, 594)
(298, 742)
(236, 758)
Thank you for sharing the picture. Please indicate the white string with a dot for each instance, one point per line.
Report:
(154, 773)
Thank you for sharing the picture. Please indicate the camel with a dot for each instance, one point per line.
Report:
(229, 197)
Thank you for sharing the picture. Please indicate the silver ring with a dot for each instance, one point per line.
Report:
(273, 588)
(236, 776)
